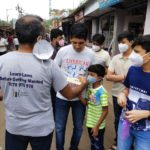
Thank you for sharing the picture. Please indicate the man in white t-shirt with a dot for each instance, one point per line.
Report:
(3, 45)
(26, 78)
(74, 60)
(102, 56)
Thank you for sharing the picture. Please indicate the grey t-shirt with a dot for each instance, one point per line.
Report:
(26, 83)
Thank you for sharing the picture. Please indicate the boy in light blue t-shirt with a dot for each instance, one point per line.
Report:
(97, 110)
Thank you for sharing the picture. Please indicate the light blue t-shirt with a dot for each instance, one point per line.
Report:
(26, 83)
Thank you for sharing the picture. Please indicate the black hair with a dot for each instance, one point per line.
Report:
(79, 30)
(98, 69)
(39, 18)
(126, 34)
(144, 42)
(55, 33)
(28, 28)
(98, 38)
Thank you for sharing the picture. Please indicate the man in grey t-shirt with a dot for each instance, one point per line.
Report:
(25, 80)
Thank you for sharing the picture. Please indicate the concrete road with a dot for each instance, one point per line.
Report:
(84, 143)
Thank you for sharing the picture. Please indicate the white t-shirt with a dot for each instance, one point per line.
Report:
(102, 57)
(74, 63)
(3, 44)
(26, 83)
(15, 41)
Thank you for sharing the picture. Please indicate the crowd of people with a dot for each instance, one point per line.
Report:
(42, 81)
(8, 43)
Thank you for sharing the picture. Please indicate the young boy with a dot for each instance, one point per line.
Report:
(117, 71)
(97, 110)
(137, 103)
(102, 56)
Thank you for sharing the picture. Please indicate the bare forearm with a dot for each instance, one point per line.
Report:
(84, 101)
(74, 92)
(103, 116)
(71, 93)
(115, 78)
(126, 92)
(145, 113)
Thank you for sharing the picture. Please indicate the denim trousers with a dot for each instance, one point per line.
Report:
(140, 139)
(97, 143)
(62, 108)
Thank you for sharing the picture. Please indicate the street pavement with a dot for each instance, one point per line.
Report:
(84, 143)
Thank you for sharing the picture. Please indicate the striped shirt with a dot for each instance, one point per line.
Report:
(97, 98)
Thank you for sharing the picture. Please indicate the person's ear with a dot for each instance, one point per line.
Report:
(149, 56)
(131, 42)
(146, 57)
(39, 38)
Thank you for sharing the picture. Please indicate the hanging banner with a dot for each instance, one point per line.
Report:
(107, 3)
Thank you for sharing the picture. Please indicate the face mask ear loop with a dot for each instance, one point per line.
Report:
(101, 80)
(145, 55)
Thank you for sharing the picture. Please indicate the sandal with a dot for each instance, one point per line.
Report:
(113, 147)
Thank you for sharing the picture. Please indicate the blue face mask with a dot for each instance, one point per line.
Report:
(91, 79)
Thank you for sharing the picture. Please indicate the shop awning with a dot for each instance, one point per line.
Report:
(108, 3)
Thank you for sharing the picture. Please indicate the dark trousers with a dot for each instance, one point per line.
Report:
(17, 47)
(62, 108)
(117, 113)
(53, 97)
(2, 53)
(97, 143)
(19, 142)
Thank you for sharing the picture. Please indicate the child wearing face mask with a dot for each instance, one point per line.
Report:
(97, 110)
(136, 99)
(117, 72)
(102, 56)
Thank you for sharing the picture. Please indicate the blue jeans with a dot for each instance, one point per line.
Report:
(19, 142)
(141, 139)
(62, 108)
(97, 143)
(117, 114)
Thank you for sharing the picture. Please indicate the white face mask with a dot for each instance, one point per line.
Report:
(61, 42)
(42, 50)
(123, 47)
(137, 59)
(95, 48)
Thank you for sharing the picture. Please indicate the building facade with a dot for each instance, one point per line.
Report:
(111, 17)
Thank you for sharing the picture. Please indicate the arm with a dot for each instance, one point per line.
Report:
(101, 119)
(61, 85)
(122, 97)
(83, 101)
(103, 116)
(112, 77)
(71, 93)
(136, 115)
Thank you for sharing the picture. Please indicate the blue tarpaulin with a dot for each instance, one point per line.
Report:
(107, 3)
